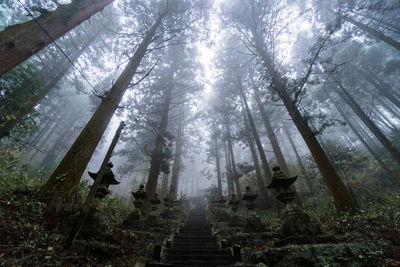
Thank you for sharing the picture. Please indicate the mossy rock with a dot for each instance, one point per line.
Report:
(343, 254)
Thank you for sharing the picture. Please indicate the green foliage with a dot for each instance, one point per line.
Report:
(211, 193)
(116, 209)
(345, 159)
(17, 88)
(14, 178)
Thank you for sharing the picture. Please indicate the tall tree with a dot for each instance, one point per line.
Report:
(342, 92)
(251, 18)
(177, 160)
(66, 177)
(271, 134)
(21, 41)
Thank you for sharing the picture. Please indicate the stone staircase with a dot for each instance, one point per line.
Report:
(195, 245)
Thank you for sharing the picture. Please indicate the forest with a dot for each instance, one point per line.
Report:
(199, 133)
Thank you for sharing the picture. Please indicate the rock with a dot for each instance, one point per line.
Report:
(100, 249)
(343, 254)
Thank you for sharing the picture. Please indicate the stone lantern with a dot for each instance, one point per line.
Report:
(155, 202)
(249, 198)
(219, 210)
(297, 227)
(281, 183)
(253, 220)
(134, 220)
(234, 203)
(153, 218)
(139, 196)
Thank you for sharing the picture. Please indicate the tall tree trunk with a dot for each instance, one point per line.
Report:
(229, 181)
(218, 165)
(28, 106)
(260, 148)
(260, 183)
(392, 176)
(272, 137)
(21, 41)
(73, 165)
(156, 155)
(374, 33)
(235, 175)
(299, 161)
(165, 182)
(387, 106)
(368, 122)
(384, 90)
(177, 161)
(340, 193)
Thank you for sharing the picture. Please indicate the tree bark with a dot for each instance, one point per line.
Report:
(392, 176)
(272, 137)
(64, 180)
(229, 181)
(165, 182)
(299, 161)
(374, 33)
(156, 155)
(368, 122)
(177, 161)
(235, 175)
(260, 183)
(21, 41)
(340, 193)
(28, 106)
(260, 148)
(219, 180)
(384, 90)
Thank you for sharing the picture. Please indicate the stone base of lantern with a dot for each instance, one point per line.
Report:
(236, 221)
(153, 219)
(253, 223)
(134, 220)
(297, 228)
(221, 214)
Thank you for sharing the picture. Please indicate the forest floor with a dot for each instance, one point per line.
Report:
(31, 236)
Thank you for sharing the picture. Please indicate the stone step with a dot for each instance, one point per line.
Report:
(202, 257)
(195, 238)
(189, 246)
(182, 251)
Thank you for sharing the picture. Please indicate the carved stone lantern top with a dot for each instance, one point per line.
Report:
(140, 194)
(280, 180)
(282, 183)
(249, 196)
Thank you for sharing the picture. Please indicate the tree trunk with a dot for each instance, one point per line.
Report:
(165, 182)
(260, 148)
(177, 161)
(374, 33)
(299, 161)
(384, 90)
(66, 177)
(392, 176)
(229, 181)
(235, 175)
(156, 155)
(28, 106)
(387, 106)
(340, 193)
(218, 166)
(368, 122)
(21, 41)
(260, 183)
(272, 137)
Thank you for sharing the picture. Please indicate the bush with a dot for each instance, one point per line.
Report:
(14, 178)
